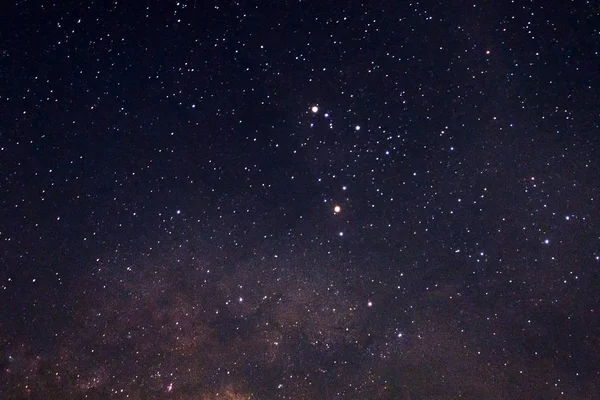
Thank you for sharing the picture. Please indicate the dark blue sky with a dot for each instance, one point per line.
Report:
(169, 176)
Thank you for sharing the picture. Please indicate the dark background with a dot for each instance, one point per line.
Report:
(167, 224)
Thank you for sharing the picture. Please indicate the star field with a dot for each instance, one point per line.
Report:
(299, 200)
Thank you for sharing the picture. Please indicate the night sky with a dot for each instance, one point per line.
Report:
(236, 200)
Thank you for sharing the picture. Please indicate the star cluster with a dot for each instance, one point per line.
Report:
(299, 200)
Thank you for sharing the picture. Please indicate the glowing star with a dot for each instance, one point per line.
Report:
(337, 209)
(341, 234)
(314, 109)
(357, 128)
(369, 303)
